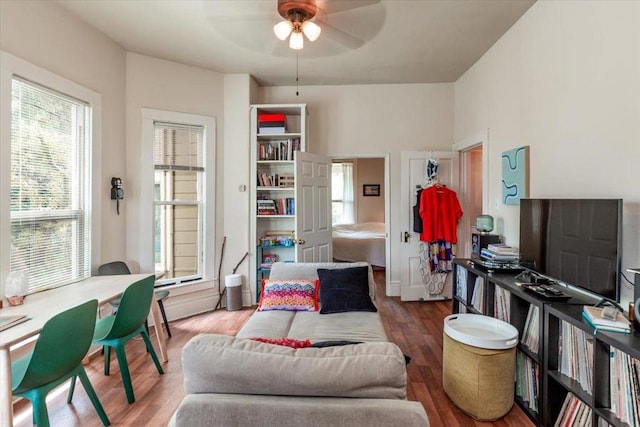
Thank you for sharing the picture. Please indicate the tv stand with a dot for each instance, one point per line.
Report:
(541, 323)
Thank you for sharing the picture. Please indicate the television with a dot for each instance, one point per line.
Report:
(574, 241)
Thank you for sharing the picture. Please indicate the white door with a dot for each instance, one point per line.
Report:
(417, 281)
(313, 208)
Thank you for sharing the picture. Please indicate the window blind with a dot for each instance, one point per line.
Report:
(178, 152)
(178, 147)
(49, 191)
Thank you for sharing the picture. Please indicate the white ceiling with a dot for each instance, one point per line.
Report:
(363, 41)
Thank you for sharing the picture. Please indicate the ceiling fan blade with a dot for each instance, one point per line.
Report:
(332, 6)
(351, 23)
(344, 38)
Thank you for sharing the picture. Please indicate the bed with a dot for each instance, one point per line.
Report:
(360, 242)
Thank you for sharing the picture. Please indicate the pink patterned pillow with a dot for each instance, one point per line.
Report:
(290, 295)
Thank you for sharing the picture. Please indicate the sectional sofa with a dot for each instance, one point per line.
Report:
(352, 376)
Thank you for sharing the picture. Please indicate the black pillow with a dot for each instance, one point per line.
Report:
(338, 343)
(344, 289)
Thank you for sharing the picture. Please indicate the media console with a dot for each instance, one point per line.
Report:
(542, 383)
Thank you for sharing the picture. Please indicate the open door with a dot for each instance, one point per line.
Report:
(313, 200)
(417, 283)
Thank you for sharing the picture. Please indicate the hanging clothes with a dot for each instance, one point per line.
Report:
(440, 256)
(440, 212)
(417, 219)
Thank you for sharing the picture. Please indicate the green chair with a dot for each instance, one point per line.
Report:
(57, 356)
(116, 330)
(119, 267)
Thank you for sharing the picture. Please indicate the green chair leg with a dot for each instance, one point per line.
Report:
(107, 359)
(40, 413)
(72, 388)
(84, 379)
(124, 371)
(152, 352)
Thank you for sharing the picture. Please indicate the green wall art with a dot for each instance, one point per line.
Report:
(515, 175)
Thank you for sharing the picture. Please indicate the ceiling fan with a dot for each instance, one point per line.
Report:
(345, 24)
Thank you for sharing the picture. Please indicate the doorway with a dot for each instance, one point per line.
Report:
(360, 209)
(474, 186)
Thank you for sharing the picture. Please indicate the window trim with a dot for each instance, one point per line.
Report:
(139, 220)
(11, 66)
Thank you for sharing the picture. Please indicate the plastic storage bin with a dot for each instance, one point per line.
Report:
(478, 364)
(233, 284)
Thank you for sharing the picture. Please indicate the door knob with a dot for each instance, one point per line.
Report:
(301, 241)
(406, 236)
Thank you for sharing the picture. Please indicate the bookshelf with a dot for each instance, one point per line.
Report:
(273, 193)
(576, 377)
(606, 365)
(505, 300)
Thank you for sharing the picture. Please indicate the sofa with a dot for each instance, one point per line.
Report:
(351, 376)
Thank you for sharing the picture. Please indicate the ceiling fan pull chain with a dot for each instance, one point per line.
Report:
(297, 93)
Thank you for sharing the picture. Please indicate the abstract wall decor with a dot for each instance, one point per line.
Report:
(515, 175)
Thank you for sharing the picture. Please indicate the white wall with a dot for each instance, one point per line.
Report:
(565, 80)
(166, 85)
(237, 123)
(369, 171)
(48, 36)
(375, 120)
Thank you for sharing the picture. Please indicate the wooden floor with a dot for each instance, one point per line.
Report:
(415, 326)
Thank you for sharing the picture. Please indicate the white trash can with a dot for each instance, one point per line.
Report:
(478, 364)
(233, 284)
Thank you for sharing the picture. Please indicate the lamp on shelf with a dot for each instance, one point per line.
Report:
(297, 15)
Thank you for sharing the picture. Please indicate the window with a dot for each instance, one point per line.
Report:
(178, 200)
(49, 186)
(342, 199)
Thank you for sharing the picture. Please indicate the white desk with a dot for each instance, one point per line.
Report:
(42, 306)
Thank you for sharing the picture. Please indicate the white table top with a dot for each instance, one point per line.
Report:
(42, 306)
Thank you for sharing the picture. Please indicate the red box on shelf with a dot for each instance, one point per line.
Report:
(272, 118)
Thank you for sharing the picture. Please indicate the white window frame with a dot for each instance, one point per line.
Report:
(10, 67)
(143, 220)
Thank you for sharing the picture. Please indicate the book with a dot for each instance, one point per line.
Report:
(501, 248)
(486, 253)
(595, 316)
(624, 330)
(8, 321)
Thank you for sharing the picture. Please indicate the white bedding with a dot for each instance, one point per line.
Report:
(360, 242)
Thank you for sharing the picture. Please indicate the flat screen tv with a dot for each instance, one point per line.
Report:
(574, 241)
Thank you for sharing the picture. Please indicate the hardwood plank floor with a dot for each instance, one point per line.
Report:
(415, 326)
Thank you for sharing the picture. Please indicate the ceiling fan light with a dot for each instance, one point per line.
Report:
(311, 30)
(296, 41)
(282, 29)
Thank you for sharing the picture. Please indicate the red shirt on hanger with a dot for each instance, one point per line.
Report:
(440, 212)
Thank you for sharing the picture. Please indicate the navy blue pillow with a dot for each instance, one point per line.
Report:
(344, 289)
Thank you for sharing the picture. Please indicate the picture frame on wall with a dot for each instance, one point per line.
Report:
(371, 190)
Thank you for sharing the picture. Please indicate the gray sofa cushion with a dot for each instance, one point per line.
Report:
(289, 411)
(313, 326)
(223, 364)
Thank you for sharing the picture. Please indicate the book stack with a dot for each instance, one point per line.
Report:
(527, 380)
(594, 317)
(574, 412)
(502, 304)
(268, 260)
(531, 333)
(624, 373)
(279, 150)
(500, 252)
(272, 123)
(575, 355)
(266, 207)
